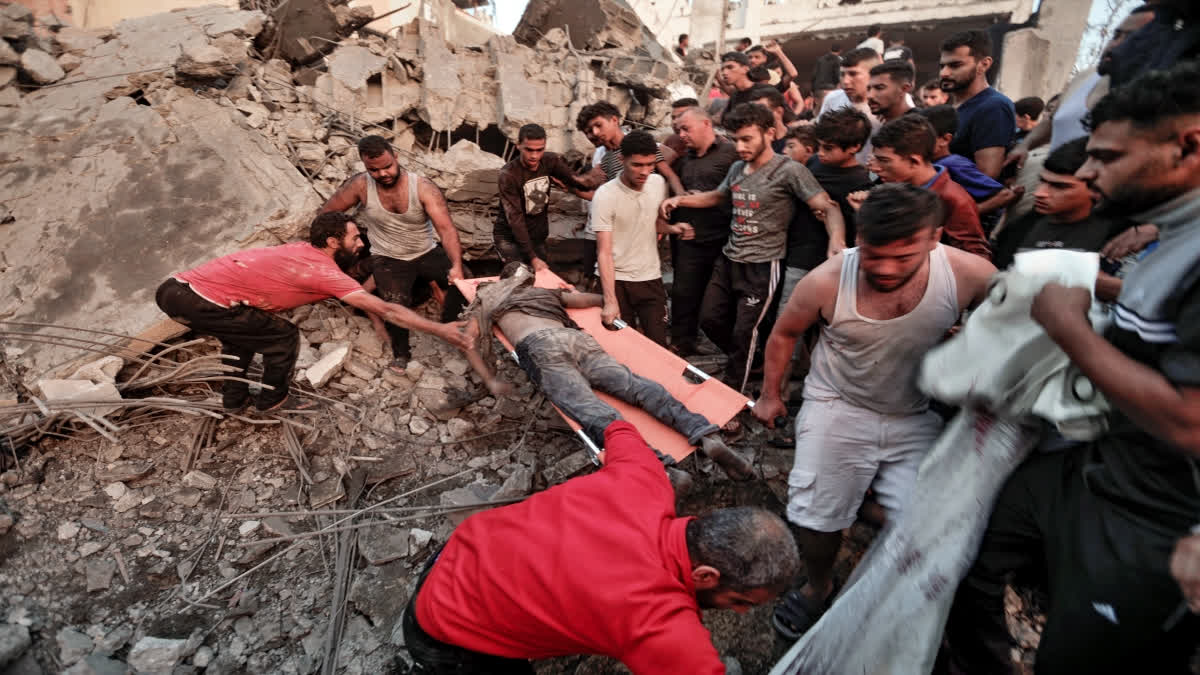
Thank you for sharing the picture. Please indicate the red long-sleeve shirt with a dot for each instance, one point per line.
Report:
(962, 228)
(597, 565)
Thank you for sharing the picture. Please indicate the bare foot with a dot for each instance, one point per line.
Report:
(734, 465)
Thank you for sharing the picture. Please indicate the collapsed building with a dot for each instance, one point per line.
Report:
(134, 152)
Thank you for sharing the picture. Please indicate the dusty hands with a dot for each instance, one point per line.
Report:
(1130, 241)
(1185, 567)
(668, 206)
(1057, 305)
(856, 199)
(610, 313)
(767, 409)
(456, 273)
(453, 333)
(685, 231)
(1018, 155)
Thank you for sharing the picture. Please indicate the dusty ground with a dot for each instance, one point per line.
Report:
(116, 544)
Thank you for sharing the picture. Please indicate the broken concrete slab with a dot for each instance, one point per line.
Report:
(602, 24)
(156, 655)
(65, 391)
(14, 640)
(308, 29)
(331, 364)
(209, 61)
(41, 67)
(72, 645)
(384, 546)
(99, 574)
(352, 65)
(8, 55)
(470, 173)
(129, 181)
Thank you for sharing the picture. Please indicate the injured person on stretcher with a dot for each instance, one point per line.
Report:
(566, 363)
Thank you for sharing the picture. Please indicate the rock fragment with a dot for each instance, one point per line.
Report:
(156, 655)
(41, 67)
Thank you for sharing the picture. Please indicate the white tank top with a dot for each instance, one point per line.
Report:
(873, 363)
(403, 236)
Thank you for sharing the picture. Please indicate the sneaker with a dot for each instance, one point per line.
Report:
(288, 403)
(235, 401)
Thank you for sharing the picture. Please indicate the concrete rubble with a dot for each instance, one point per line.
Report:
(138, 553)
(173, 138)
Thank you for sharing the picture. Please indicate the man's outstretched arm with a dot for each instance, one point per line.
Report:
(803, 309)
(494, 384)
(406, 318)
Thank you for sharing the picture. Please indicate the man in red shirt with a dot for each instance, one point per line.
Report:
(902, 152)
(235, 299)
(597, 565)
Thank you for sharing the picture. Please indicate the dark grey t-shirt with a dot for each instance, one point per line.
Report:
(763, 205)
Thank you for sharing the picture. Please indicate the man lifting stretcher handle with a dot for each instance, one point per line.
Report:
(566, 363)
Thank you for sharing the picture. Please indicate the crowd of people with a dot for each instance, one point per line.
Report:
(827, 233)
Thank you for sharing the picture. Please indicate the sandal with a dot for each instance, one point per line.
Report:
(399, 365)
(795, 613)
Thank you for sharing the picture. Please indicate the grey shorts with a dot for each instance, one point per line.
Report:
(842, 450)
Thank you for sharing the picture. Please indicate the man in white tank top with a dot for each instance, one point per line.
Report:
(864, 424)
(402, 211)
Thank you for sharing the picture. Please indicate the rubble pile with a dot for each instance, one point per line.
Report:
(173, 138)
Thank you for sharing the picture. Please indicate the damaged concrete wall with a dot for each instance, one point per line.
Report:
(106, 198)
(168, 140)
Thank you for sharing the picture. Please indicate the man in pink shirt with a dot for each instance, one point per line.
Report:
(235, 299)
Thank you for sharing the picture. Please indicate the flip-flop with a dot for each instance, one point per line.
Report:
(399, 365)
(795, 613)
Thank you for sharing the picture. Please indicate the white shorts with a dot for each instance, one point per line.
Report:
(842, 450)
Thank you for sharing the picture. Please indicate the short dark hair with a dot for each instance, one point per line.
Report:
(1151, 98)
(895, 211)
(976, 41)
(531, 132)
(933, 84)
(638, 143)
(774, 98)
(907, 135)
(373, 146)
(685, 103)
(759, 74)
(745, 41)
(736, 57)
(1067, 158)
(746, 115)
(874, 30)
(899, 71)
(804, 134)
(944, 118)
(844, 127)
(857, 56)
(751, 548)
(682, 37)
(591, 112)
(1030, 105)
(756, 48)
(326, 225)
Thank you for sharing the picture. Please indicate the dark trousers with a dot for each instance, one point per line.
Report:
(395, 281)
(440, 658)
(510, 251)
(1111, 596)
(566, 364)
(693, 262)
(243, 331)
(738, 311)
(643, 305)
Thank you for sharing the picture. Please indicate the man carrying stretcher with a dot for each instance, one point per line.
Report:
(566, 363)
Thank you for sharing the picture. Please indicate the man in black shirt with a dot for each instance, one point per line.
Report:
(1062, 213)
(1111, 525)
(827, 71)
(522, 226)
(735, 80)
(701, 168)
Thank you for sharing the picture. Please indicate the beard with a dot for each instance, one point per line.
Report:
(950, 84)
(387, 183)
(345, 258)
(1129, 200)
(889, 285)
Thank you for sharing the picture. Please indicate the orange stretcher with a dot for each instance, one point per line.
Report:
(687, 383)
